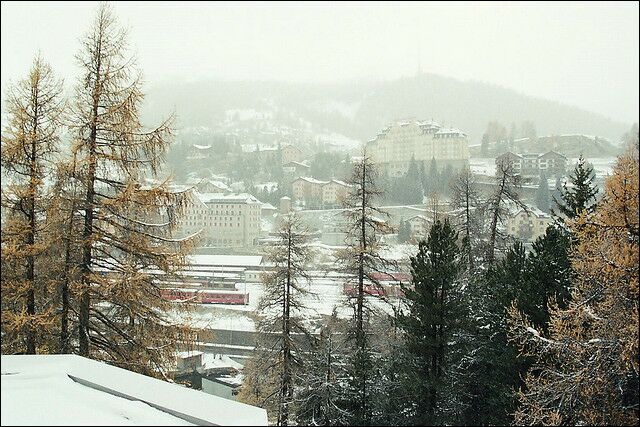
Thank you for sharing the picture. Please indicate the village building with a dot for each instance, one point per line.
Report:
(532, 166)
(314, 193)
(527, 225)
(223, 220)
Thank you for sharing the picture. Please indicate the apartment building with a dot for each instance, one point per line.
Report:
(333, 192)
(528, 225)
(228, 220)
(533, 165)
(316, 193)
(395, 146)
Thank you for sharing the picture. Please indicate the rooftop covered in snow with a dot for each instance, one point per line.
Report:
(72, 390)
(226, 260)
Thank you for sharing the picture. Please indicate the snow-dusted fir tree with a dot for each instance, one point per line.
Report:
(431, 324)
(29, 141)
(280, 308)
(360, 260)
(128, 218)
(320, 391)
(543, 195)
(581, 195)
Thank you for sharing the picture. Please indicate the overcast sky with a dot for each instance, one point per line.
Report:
(583, 54)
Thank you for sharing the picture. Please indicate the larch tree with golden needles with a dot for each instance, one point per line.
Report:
(587, 365)
(280, 308)
(128, 215)
(29, 142)
(65, 220)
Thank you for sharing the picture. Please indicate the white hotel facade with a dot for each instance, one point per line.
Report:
(227, 220)
(396, 144)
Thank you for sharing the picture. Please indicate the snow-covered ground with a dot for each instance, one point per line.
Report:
(483, 166)
(602, 166)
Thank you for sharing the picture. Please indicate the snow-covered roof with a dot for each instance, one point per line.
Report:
(228, 380)
(251, 148)
(268, 186)
(530, 155)
(228, 260)
(212, 361)
(428, 123)
(186, 354)
(311, 180)
(202, 181)
(515, 210)
(337, 181)
(268, 207)
(69, 389)
(201, 147)
(450, 131)
(294, 163)
(226, 198)
(554, 152)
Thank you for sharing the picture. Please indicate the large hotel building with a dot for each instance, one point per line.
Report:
(231, 220)
(396, 144)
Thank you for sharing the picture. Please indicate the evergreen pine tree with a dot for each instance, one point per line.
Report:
(432, 177)
(412, 184)
(491, 368)
(548, 276)
(430, 324)
(318, 401)
(582, 194)
(543, 197)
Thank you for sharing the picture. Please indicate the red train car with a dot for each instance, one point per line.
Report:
(351, 289)
(391, 277)
(205, 296)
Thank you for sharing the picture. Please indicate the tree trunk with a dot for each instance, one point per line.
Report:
(33, 188)
(286, 390)
(468, 215)
(494, 219)
(85, 298)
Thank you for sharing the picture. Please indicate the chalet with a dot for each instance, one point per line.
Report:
(550, 163)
